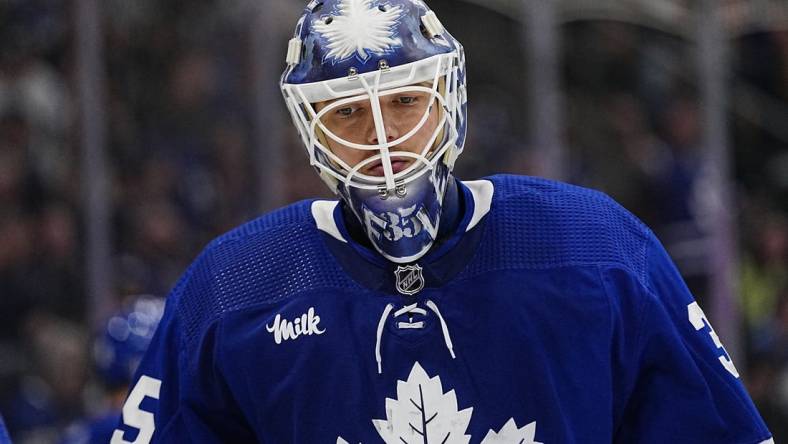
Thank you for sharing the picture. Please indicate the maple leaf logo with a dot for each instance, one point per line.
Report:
(423, 413)
(360, 29)
(510, 434)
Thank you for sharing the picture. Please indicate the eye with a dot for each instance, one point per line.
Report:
(406, 100)
(345, 112)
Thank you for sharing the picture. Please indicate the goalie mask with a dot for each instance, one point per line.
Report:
(376, 89)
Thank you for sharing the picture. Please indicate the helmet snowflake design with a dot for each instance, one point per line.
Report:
(392, 60)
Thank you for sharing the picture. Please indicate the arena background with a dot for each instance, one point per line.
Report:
(133, 132)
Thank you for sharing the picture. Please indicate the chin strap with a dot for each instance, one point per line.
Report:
(410, 310)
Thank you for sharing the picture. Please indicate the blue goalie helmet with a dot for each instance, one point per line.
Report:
(376, 89)
(119, 348)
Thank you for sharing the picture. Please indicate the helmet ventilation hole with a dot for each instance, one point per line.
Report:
(382, 8)
(328, 20)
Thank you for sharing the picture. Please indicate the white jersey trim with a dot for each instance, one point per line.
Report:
(323, 212)
(482, 191)
(768, 441)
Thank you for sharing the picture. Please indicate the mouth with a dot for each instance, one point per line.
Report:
(397, 165)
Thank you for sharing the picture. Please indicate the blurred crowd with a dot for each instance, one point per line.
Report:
(182, 164)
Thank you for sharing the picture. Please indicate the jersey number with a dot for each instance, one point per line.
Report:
(699, 320)
(133, 416)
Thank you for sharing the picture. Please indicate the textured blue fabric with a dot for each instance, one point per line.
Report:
(565, 322)
(543, 224)
(262, 262)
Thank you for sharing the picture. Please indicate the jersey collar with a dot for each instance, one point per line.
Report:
(439, 265)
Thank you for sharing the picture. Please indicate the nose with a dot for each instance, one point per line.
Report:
(389, 129)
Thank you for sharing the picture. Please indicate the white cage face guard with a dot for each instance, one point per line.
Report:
(380, 130)
(379, 143)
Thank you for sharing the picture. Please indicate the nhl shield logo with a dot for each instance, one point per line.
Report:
(409, 279)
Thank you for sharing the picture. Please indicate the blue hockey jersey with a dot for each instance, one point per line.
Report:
(551, 315)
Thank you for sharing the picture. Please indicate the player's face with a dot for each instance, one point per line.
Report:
(402, 112)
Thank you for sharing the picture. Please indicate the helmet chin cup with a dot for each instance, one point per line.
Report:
(402, 225)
